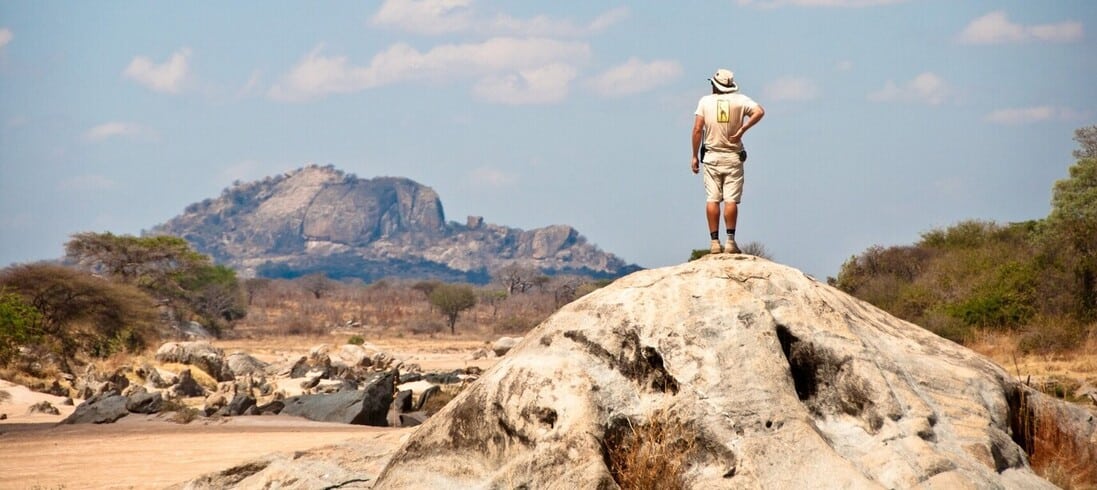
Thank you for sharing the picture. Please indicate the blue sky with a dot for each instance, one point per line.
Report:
(884, 118)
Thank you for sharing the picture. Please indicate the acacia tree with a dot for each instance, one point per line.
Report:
(451, 300)
(168, 269)
(316, 283)
(78, 313)
(516, 278)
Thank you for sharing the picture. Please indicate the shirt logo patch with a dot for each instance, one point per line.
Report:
(723, 111)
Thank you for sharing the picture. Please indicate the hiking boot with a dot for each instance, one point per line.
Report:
(715, 248)
(732, 247)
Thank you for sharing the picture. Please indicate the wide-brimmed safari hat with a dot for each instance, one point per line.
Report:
(724, 81)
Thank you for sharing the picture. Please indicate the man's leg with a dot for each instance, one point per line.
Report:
(712, 212)
(731, 216)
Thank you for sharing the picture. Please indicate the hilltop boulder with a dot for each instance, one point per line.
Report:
(765, 377)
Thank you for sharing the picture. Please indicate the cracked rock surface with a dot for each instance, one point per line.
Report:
(783, 382)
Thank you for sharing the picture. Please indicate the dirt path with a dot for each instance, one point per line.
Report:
(148, 452)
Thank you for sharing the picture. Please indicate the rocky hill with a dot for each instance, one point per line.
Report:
(318, 219)
(726, 372)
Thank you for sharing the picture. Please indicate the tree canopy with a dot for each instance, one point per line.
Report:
(76, 312)
(169, 270)
(451, 300)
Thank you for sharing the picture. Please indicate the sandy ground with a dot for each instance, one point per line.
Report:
(152, 452)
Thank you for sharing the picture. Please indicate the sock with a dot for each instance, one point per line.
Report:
(715, 235)
(731, 234)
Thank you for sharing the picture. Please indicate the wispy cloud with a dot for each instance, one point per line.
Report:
(5, 36)
(117, 129)
(435, 17)
(791, 88)
(541, 85)
(1028, 115)
(167, 77)
(87, 183)
(926, 88)
(817, 3)
(996, 28)
(844, 65)
(491, 177)
(635, 76)
(497, 62)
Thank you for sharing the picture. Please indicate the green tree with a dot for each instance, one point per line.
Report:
(451, 300)
(1073, 220)
(168, 269)
(18, 325)
(80, 313)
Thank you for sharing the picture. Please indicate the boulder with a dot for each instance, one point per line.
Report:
(241, 404)
(242, 364)
(145, 402)
(368, 406)
(356, 355)
(403, 401)
(201, 354)
(100, 409)
(504, 344)
(187, 386)
(742, 374)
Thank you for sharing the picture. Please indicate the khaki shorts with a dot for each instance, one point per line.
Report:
(724, 179)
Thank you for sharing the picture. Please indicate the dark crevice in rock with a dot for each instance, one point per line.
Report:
(823, 381)
(643, 365)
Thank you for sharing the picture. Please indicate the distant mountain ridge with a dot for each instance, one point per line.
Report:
(319, 219)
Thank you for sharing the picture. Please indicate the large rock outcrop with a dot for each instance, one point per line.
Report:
(318, 219)
(766, 377)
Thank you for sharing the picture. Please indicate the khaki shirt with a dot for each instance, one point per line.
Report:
(724, 114)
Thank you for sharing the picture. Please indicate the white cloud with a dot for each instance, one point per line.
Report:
(490, 177)
(542, 85)
(117, 129)
(635, 76)
(425, 16)
(167, 77)
(434, 17)
(5, 37)
(818, 3)
(87, 183)
(996, 28)
(927, 88)
(1028, 115)
(492, 62)
(844, 65)
(791, 88)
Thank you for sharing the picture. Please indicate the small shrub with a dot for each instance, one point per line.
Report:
(698, 253)
(356, 340)
(4, 396)
(652, 454)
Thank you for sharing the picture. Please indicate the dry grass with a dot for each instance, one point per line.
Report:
(1057, 374)
(652, 454)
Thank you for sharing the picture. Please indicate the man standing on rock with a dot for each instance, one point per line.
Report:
(718, 121)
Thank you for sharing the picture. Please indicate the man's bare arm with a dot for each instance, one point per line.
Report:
(756, 115)
(698, 132)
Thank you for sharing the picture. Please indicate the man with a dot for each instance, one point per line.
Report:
(718, 121)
